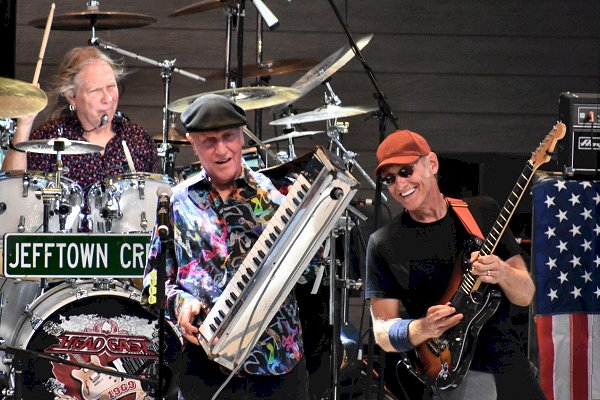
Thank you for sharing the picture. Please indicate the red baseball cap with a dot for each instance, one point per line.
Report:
(401, 147)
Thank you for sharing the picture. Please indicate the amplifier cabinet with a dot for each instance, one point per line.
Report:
(578, 153)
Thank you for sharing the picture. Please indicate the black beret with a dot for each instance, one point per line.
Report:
(211, 112)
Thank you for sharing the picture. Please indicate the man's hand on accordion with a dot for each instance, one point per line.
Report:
(190, 312)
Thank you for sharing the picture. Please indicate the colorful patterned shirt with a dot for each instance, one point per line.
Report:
(86, 169)
(211, 240)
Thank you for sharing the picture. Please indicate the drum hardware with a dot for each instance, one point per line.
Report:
(263, 146)
(249, 98)
(18, 98)
(7, 131)
(95, 19)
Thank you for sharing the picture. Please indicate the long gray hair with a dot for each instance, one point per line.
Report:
(72, 63)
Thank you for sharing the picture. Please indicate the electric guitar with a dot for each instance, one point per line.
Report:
(443, 362)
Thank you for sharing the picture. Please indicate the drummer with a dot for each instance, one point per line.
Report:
(84, 100)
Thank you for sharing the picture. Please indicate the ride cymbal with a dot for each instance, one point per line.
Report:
(197, 7)
(249, 98)
(101, 20)
(53, 146)
(292, 135)
(18, 98)
(321, 114)
(269, 68)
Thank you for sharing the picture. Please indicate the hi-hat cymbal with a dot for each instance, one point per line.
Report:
(18, 98)
(249, 98)
(292, 135)
(319, 73)
(102, 20)
(52, 146)
(269, 68)
(321, 114)
(201, 6)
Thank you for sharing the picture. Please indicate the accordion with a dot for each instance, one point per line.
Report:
(315, 202)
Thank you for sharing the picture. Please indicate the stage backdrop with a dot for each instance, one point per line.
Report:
(566, 257)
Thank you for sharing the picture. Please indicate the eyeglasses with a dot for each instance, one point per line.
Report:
(405, 172)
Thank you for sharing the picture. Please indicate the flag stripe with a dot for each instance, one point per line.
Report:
(561, 331)
(595, 355)
(579, 356)
(546, 354)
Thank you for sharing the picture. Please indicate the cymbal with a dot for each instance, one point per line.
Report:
(197, 7)
(249, 98)
(319, 73)
(18, 98)
(322, 113)
(46, 146)
(269, 68)
(173, 136)
(102, 20)
(292, 135)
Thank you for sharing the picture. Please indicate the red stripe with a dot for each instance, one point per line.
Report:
(579, 357)
(546, 354)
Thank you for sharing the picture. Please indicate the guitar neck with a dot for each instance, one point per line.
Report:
(495, 234)
(471, 282)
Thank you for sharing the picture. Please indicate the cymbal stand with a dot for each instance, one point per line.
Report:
(167, 67)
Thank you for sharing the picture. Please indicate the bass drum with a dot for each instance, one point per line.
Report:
(85, 322)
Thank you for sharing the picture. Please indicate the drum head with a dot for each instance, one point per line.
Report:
(106, 328)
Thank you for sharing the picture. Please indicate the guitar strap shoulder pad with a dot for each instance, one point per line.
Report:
(461, 208)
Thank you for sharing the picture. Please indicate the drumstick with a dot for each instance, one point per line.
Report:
(38, 67)
(128, 157)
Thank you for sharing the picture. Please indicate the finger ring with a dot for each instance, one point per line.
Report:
(489, 273)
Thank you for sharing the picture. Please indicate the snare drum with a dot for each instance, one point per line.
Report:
(126, 203)
(22, 211)
(89, 323)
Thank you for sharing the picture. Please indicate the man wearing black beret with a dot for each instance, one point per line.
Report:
(217, 215)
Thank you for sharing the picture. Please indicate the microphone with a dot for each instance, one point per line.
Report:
(163, 220)
(103, 121)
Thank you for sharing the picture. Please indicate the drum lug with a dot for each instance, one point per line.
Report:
(144, 221)
(25, 185)
(81, 293)
(141, 188)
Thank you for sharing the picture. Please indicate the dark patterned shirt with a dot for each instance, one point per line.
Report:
(86, 169)
(211, 240)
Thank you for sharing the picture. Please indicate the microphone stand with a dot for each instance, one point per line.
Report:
(384, 113)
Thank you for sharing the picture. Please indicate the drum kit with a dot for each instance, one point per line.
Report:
(32, 314)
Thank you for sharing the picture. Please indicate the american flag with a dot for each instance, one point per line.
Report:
(566, 260)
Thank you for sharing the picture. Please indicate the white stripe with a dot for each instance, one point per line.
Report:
(561, 335)
(594, 327)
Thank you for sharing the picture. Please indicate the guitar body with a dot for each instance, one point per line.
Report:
(442, 362)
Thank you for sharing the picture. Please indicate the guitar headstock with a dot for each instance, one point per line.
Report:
(544, 151)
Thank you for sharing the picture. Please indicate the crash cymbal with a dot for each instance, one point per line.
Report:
(65, 146)
(197, 7)
(321, 114)
(18, 98)
(173, 136)
(292, 135)
(249, 98)
(269, 68)
(102, 20)
(319, 73)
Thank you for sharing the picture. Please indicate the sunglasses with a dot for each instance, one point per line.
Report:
(405, 172)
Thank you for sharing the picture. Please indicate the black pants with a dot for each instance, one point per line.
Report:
(200, 378)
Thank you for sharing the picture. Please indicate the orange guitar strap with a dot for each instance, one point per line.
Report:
(461, 208)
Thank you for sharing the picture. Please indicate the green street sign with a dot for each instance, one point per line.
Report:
(75, 255)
